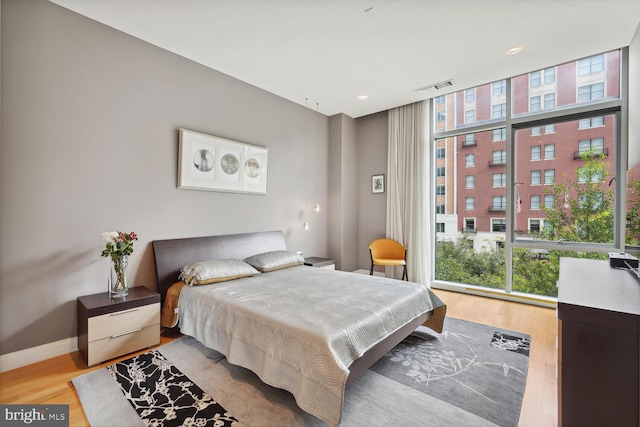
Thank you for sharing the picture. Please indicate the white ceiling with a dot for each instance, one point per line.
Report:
(332, 51)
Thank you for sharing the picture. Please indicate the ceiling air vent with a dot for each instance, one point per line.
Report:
(436, 86)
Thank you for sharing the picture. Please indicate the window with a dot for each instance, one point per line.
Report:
(550, 75)
(440, 116)
(440, 191)
(499, 88)
(591, 122)
(535, 177)
(549, 176)
(594, 145)
(440, 171)
(549, 201)
(470, 95)
(440, 208)
(535, 131)
(535, 78)
(440, 153)
(470, 225)
(499, 179)
(439, 227)
(499, 111)
(534, 225)
(499, 134)
(469, 181)
(549, 129)
(498, 225)
(470, 116)
(590, 175)
(549, 100)
(534, 103)
(499, 157)
(469, 139)
(498, 203)
(469, 160)
(591, 92)
(440, 99)
(550, 151)
(469, 203)
(595, 64)
(535, 202)
(535, 152)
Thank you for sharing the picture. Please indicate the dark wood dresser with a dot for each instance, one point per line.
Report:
(598, 345)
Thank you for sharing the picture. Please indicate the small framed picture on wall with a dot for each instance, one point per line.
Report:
(377, 184)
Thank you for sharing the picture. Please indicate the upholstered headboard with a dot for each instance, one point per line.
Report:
(171, 255)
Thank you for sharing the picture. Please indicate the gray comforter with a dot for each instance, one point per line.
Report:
(300, 328)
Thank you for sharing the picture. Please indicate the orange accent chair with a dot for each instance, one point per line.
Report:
(388, 252)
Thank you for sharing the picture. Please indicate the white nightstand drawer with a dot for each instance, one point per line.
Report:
(122, 322)
(127, 342)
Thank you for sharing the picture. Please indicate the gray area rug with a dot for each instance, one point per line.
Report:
(470, 375)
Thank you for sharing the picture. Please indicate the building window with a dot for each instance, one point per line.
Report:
(499, 134)
(470, 116)
(469, 203)
(499, 88)
(550, 129)
(469, 140)
(549, 201)
(440, 116)
(535, 152)
(594, 145)
(469, 181)
(535, 79)
(469, 160)
(590, 175)
(549, 100)
(591, 122)
(499, 111)
(499, 179)
(534, 103)
(595, 64)
(535, 178)
(470, 95)
(440, 171)
(591, 92)
(440, 208)
(439, 227)
(440, 191)
(549, 176)
(498, 225)
(440, 99)
(535, 131)
(470, 225)
(550, 75)
(535, 202)
(499, 157)
(499, 203)
(550, 151)
(440, 153)
(534, 225)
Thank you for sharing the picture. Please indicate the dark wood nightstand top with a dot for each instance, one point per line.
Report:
(102, 303)
(315, 261)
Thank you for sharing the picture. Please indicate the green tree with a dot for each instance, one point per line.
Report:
(583, 207)
(632, 237)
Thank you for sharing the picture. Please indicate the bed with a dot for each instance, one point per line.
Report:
(306, 330)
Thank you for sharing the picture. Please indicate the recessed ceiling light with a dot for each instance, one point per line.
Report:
(363, 97)
(514, 50)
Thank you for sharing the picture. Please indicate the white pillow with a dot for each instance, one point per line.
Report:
(274, 260)
(215, 270)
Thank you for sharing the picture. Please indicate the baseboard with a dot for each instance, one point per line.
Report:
(25, 357)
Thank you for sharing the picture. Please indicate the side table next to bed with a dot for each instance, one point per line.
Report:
(319, 262)
(110, 327)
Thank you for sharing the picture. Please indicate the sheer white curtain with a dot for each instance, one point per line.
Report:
(408, 185)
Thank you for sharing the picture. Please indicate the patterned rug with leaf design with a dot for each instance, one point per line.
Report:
(479, 368)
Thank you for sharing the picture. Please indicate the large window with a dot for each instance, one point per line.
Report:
(545, 179)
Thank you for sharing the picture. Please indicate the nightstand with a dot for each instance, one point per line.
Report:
(318, 262)
(110, 327)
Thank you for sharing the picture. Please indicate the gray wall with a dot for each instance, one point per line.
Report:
(90, 120)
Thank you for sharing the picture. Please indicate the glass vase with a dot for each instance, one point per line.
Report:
(119, 284)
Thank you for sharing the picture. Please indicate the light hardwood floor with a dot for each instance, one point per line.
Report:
(49, 381)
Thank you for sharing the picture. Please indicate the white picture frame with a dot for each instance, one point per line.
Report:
(377, 184)
(212, 163)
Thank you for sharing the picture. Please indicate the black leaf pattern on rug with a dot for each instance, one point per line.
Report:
(164, 396)
(511, 343)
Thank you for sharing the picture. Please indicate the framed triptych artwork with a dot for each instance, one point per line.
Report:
(212, 163)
